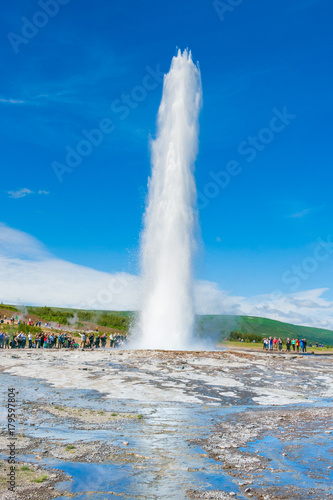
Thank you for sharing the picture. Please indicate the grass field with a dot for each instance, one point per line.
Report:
(258, 346)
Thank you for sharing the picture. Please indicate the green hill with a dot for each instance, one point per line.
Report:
(220, 327)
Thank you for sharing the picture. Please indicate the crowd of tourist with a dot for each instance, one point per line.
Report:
(61, 340)
(12, 320)
(272, 343)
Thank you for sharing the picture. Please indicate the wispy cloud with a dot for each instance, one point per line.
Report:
(21, 193)
(71, 89)
(302, 213)
(12, 101)
(306, 211)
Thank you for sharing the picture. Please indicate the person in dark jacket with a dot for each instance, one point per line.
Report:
(288, 344)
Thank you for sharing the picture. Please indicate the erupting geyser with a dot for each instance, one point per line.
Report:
(167, 242)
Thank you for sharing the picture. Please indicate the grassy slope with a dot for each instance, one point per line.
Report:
(76, 318)
(220, 326)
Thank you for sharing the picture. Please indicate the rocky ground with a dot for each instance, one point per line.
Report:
(256, 425)
(33, 482)
(229, 439)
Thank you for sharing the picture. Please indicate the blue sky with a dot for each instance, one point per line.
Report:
(262, 56)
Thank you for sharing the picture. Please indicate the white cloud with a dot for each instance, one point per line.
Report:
(29, 274)
(15, 244)
(20, 193)
(302, 213)
(12, 101)
(306, 211)
(306, 308)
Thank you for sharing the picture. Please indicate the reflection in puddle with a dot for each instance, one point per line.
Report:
(291, 462)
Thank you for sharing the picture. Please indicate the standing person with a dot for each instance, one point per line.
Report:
(280, 344)
(288, 344)
(83, 340)
(30, 340)
(18, 340)
(2, 339)
(270, 343)
(7, 337)
(304, 345)
(91, 340)
(111, 339)
(293, 343)
(297, 345)
(103, 340)
(97, 341)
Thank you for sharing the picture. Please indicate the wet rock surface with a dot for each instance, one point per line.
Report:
(159, 424)
(292, 430)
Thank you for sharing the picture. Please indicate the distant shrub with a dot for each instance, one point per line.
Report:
(8, 308)
(113, 321)
(85, 315)
(49, 314)
(247, 337)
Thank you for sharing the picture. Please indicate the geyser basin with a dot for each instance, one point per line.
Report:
(167, 242)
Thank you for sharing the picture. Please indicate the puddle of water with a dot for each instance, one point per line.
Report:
(304, 464)
(155, 479)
